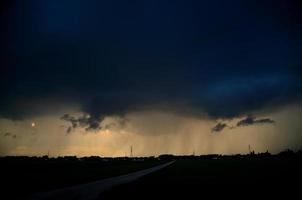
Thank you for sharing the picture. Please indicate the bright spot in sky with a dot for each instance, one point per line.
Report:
(33, 124)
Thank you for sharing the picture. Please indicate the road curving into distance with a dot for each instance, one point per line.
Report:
(93, 190)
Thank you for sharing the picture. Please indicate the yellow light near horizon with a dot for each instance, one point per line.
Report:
(33, 124)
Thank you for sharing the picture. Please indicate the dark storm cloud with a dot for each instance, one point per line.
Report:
(237, 96)
(10, 135)
(69, 129)
(7, 134)
(113, 57)
(219, 127)
(71, 119)
(91, 123)
(250, 120)
(85, 121)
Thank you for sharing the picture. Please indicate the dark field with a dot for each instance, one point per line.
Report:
(224, 177)
(23, 176)
(189, 176)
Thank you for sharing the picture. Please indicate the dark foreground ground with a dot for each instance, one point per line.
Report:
(189, 177)
(23, 176)
(239, 178)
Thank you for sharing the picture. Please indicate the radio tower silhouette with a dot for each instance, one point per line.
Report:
(131, 151)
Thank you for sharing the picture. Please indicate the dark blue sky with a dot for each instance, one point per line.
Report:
(225, 58)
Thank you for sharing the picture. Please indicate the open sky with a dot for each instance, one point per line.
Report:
(94, 77)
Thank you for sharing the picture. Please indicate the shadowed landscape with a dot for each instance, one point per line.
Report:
(219, 176)
(26, 176)
(160, 99)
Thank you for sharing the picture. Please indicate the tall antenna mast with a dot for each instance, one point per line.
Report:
(250, 149)
(131, 151)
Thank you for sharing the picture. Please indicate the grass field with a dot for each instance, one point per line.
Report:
(23, 177)
(189, 176)
(195, 177)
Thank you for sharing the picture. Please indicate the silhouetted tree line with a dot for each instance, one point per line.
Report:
(283, 154)
(252, 154)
